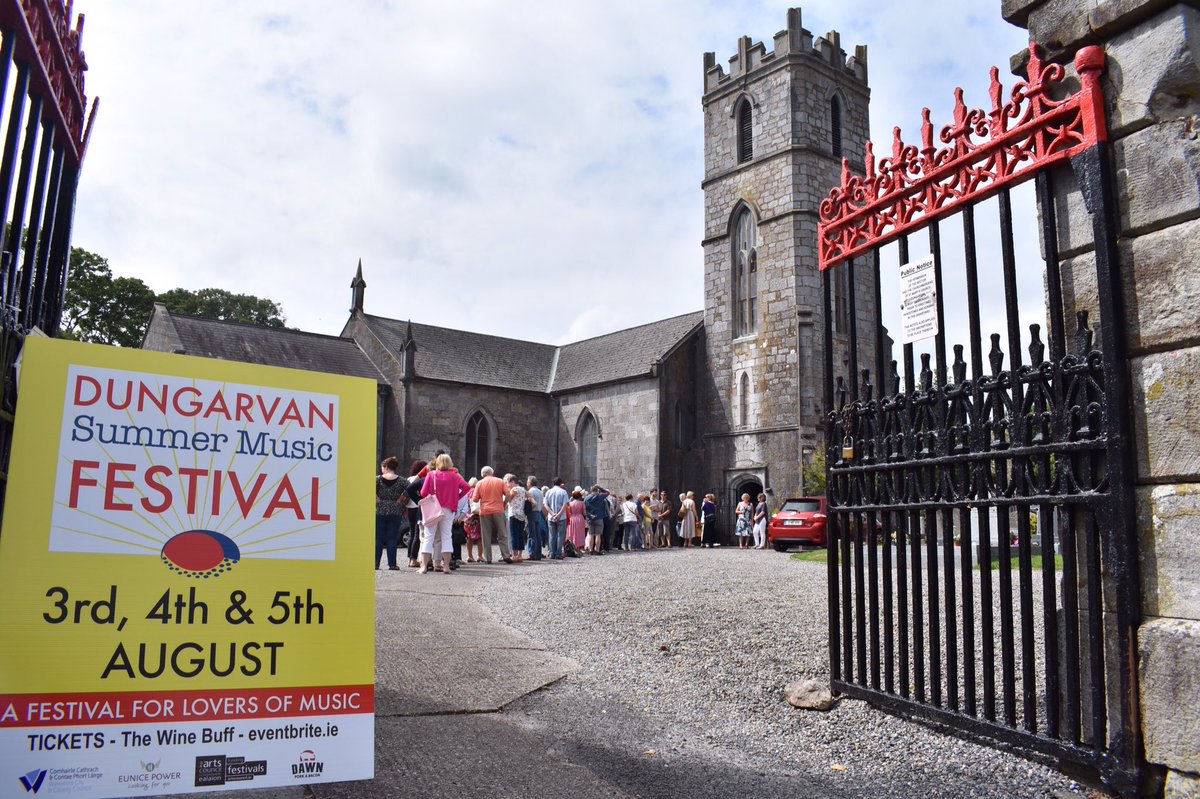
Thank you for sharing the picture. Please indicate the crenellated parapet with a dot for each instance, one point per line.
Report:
(793, 40)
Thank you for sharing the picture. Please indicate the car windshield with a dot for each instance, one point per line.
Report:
(801, 506)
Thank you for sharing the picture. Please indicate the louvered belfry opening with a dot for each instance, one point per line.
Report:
(745, 139)
(982, 550)
(835, 125)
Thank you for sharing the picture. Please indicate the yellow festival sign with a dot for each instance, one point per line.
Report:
(184, 582)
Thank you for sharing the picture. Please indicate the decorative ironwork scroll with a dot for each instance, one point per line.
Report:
(985, 151)
(57, 63)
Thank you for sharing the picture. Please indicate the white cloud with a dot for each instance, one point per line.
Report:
(526, 170)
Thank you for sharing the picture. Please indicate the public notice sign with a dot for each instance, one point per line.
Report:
(918, 300)
(185, 595)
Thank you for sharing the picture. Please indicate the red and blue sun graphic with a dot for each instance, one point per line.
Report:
(200, 554)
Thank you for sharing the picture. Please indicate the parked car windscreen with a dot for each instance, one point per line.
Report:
(801, 506)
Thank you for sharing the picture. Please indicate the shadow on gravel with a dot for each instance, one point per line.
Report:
(502, 755)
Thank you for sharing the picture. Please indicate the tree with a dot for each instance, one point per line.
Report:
(814, 474)
(101, 308)
(108, 310)
(224, 306)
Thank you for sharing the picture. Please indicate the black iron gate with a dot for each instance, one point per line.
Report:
(948, 481)
(43, 104)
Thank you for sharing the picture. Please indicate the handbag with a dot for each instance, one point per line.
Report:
(431, 510)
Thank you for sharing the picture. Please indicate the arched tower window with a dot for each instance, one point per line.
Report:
(479, 443)
(835, 125)
(744, 400)
(745, 132)
(745, 274)
(841, 300)
(589, 446)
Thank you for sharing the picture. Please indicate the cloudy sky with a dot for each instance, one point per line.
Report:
(524, 169)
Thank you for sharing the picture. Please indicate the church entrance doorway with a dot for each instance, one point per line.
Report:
(728, 515)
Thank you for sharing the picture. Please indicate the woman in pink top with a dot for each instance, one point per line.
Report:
(448, 486)
(576, 519)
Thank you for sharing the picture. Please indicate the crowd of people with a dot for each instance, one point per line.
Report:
(438, 513)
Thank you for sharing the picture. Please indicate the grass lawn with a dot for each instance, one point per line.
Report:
(811, 556)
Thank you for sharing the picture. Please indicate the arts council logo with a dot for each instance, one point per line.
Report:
(197, 473)
(220, 769)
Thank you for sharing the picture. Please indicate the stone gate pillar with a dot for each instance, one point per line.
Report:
(1152, 93)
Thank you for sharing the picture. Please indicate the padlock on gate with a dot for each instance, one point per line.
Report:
(847, 448)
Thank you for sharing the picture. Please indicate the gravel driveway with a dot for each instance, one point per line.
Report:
(684, 657)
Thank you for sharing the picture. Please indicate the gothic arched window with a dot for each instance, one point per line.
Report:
(745, 132)
(589, 446)
(479, 440)
(835, 125)
(744, 400)
(745, 274)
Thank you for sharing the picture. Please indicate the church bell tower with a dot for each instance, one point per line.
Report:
(777, 125)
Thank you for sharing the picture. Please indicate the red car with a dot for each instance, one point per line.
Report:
(801, 520)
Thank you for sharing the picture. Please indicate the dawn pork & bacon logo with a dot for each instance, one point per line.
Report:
(198, 473)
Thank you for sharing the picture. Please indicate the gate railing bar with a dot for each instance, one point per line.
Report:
(1019, 464)
(60, 247)
(975, 477)
(35, 243)
(883, 485)
(1054, 300)
(37, 302)
(931, 516)
(843, 531)
(832, 523)
(932, 599)
(21, 200)
(1096, 184)
(12, 138)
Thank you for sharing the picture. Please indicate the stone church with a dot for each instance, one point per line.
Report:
(724, 400)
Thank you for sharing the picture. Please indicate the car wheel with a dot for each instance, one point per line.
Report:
(780, 547)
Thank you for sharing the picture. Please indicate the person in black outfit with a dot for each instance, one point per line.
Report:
(391, 517)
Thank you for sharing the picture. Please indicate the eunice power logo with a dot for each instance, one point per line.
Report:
(196, 472)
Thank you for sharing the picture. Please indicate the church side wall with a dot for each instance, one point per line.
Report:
(680, 460)
(523, 438)
(628, 413)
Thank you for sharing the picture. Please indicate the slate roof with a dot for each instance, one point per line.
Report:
(464, 357)
(273, 346)
(622, 355)
(480, 359)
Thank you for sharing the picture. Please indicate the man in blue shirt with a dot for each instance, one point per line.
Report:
(596, 505)
(536, 522)
(556, 517)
